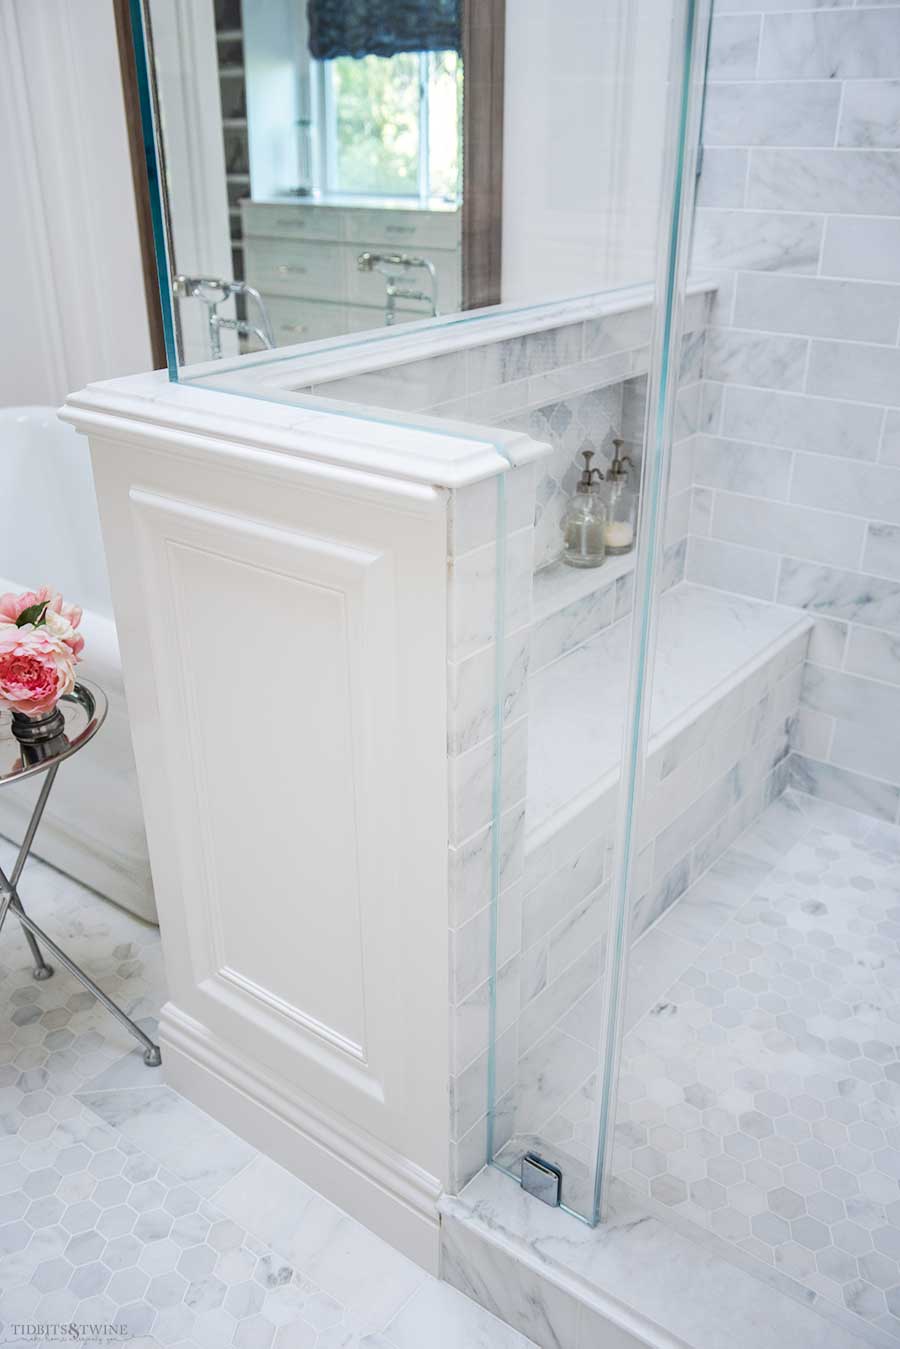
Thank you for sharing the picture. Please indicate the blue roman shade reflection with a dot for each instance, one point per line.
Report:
(382, 27)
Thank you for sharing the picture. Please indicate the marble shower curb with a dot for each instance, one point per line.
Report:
(548, 1276)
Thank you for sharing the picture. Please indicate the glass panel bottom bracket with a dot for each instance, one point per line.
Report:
(541, 1179)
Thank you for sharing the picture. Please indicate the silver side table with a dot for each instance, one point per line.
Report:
(83, 712)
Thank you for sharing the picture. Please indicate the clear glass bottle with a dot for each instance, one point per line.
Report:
(621, 503)
(584, 523)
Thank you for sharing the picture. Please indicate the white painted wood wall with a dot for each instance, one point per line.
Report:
(282, 616)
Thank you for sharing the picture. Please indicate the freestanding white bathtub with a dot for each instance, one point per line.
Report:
(93, 828)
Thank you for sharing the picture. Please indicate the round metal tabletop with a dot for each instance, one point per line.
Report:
(84, 710)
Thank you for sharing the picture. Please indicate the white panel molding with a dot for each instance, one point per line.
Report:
(165, 527)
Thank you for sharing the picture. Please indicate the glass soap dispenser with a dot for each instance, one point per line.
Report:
(585, 522)
(621, 503)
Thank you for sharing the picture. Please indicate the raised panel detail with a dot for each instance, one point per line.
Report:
(279, 687)
(282, 779)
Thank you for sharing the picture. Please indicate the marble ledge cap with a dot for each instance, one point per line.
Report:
(423, 339)
(201, 423)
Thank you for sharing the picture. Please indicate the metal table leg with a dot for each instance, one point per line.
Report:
(9, 897)
(9, 900)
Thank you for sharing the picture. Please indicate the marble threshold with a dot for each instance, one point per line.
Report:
(634, 1280)
(708, 642)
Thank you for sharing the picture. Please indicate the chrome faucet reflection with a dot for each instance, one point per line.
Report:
(395, 268)
(213, 291)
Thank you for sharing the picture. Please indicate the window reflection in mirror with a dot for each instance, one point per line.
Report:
(389, 126)
(314, 166)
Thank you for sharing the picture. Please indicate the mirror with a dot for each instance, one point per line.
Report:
(341, 167)
(315, 166)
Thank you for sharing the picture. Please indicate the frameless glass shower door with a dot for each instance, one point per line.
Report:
(587, 889)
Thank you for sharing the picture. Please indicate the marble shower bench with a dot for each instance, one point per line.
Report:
(709, 644)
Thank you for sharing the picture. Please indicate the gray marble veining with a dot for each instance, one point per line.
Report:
(733, 47)
(850, 310)
(847, 370)
(750, 358)
(643, 1280)
(792, 421)
(818, 180)
(752, 240)
(830, 45)
(870, 115)
(868, 248)
(766, 114)
(840, 594)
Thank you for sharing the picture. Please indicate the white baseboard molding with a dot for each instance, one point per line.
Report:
(383, 1190)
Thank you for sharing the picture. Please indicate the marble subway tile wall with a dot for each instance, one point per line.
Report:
(574, 385)
(797, 467)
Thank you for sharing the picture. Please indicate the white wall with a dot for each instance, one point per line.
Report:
(584, 117)
(73, 297)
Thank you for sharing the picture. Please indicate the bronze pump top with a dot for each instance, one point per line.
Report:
(621, 463)
(589, 476)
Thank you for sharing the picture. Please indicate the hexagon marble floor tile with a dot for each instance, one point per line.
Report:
(121, 1204)
(760, 1096)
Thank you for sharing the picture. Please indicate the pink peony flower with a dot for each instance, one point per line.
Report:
(62, 619)
(11, 606)
(36, 668)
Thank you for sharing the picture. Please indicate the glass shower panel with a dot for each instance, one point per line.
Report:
(582, 895)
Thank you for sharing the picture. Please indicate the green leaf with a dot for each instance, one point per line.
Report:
(35, 613)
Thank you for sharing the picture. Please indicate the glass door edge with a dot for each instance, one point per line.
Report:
(683, 117)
